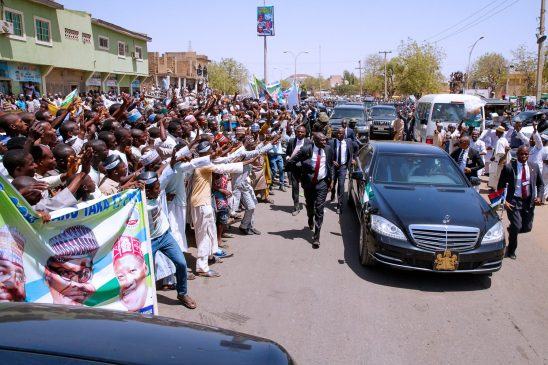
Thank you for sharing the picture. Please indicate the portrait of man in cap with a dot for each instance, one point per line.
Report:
(131, 271)
(69, 271)
(12, 273)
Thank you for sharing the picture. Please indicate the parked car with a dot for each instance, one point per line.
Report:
(420, 212)
(350, 111)
(53, 334)
(382, 119)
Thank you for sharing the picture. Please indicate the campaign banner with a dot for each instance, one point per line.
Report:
(265, 21)
(97, 254)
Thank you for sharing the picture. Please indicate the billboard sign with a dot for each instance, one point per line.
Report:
(265, 21)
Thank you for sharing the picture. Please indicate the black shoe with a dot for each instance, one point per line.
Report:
(337, 210)
(316, 242)
(511, 255)
(246, 231)
(254, 231)
(296, 210)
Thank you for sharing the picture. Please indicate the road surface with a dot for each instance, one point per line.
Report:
(325, 308)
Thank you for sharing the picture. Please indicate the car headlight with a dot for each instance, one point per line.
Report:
(495, 234)
(386, 228)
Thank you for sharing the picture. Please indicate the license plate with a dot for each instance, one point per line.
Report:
(446, 261)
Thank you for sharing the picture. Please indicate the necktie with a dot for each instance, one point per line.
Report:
(339, 158)
(317, 166)
(524, 191)
(461, 157)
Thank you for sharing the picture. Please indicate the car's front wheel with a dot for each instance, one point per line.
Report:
(365, 258)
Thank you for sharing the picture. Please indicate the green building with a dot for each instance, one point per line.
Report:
(57, 49)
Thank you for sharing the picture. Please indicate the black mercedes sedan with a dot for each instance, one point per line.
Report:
(418, 211)
(53, 334)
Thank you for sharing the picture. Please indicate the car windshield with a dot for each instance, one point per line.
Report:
(448, 112)
(383, 113)
(417, 170)
(340, 113)
(523, 116)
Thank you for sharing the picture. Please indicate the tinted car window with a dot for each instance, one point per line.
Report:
(383, 112)
(448, 112)
(417, 170)
(340, 113)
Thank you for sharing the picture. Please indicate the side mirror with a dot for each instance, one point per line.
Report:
(475, 181)
(357, 175)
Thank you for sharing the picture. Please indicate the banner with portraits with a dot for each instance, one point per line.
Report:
(96, 255)
(265, 21)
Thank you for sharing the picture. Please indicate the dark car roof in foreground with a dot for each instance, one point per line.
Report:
(406, 147)
(104, 335)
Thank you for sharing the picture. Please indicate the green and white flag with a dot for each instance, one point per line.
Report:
(367, 193)
(95, 255)
(69, 99)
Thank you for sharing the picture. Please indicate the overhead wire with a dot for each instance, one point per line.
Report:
(470, 25)
(473, 15)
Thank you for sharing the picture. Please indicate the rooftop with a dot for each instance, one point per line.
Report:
(120, 29)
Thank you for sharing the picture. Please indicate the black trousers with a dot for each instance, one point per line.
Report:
(294, 178)
(339, 178)
(521, 221)
(315, 196)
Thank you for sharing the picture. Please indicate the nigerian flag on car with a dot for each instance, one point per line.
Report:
(367, 193)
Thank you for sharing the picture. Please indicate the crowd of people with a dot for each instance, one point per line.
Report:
(204, 160)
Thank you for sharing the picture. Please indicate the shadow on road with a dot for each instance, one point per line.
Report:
(291, 234)
(281, 208)
(383, 275)
(166, 300)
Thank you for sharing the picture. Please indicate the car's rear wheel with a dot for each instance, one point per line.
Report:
(365, 257)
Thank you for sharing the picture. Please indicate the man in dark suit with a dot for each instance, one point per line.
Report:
(316, 171)
(343, 158)
(524, 189)
(468, 159)
(347, 131)
(293, 146)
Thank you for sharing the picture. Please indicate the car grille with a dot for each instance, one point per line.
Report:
(382, 122)
(432, 237)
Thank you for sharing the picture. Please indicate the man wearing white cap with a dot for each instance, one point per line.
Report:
(501, 156)
(203, 215)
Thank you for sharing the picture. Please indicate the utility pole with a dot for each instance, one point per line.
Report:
(541, 37)
(320, 73)
(360, 68)
(265, 48)
(385, 79)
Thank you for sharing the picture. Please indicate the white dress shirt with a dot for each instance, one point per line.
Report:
(322, 173)
(517, 193)
(462, 164)
(342, 149)
(298, 144)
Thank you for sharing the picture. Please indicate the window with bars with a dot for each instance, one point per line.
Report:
(42, 28)
(16, 18)
(72, 34)
(138, 53)
(86, 38)
(122, 49)
(103, 43)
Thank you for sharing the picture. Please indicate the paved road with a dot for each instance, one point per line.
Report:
(324, 308)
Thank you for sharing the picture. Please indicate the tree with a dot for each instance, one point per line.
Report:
(417, 68)
(228, 75)
(525, 63)
(373, 75)
(490, 70)
(349, 78)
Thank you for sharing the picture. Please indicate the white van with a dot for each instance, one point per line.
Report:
(446, 109)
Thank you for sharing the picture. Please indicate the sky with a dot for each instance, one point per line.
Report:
(346, 30)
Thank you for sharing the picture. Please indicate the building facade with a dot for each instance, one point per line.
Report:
(183, 69)
(57, 50)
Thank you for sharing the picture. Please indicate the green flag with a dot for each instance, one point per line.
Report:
(69, 99)
(367, 194)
